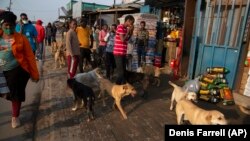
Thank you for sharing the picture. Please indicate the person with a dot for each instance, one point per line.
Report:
(72, 49)
(64, 30)
(123, 33)
(64, 33)
(102, 43)
(96, 36)
(110, 60)
(40, 39)
(48, 34)
(85, 39)
(27, 29)
(131, 56)
(142, 42)
(53, 33)
(20, 63)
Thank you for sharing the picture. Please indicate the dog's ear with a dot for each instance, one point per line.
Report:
(98, 72)
(125, 87)
(209, 117)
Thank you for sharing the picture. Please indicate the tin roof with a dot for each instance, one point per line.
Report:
(163, 3)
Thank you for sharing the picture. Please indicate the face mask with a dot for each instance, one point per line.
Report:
(8, 31)
(24, 21)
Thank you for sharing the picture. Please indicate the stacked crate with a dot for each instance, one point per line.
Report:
(151, 23)
(214, 86)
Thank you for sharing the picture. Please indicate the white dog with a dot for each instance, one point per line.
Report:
(179, 93)
(198, 116)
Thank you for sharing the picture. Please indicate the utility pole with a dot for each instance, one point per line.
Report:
(9, 8)
(115, 16)
(58, 12)
(71, 5)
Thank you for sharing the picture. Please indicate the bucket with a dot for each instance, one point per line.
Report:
(157, 61)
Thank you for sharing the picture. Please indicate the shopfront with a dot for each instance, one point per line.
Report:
(219, 37)
(176, 16)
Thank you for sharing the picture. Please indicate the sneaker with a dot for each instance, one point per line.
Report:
(15, 122)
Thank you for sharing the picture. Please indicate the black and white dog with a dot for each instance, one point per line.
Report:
(90, 79)
(84, 94)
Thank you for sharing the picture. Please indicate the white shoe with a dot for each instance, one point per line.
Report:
(15, 122)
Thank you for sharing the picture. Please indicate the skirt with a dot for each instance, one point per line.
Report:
(17, 80)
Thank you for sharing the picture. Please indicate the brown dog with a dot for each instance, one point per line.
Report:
(59, 55)
(198, 116)
(117, 92)
(153, 72)
(53, 48)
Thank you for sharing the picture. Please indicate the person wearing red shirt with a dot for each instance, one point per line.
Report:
(123, 33)
(40, 38)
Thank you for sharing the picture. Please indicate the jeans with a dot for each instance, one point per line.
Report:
(49, 40)
(121, 69)
(141, 54)
(101, 50)
(39, 51)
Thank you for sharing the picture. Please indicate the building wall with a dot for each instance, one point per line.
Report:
(93, 6)
(244, 77)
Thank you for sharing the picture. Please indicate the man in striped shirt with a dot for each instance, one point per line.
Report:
(123, 33)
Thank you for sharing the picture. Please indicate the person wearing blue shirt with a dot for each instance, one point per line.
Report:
(27, 29)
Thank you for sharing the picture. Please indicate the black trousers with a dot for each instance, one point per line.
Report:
(164, 49)
(17, 80)
(120, 62)
(110, 64)
(84, 53)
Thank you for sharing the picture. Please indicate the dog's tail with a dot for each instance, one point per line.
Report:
(244, 110)
(172, 84)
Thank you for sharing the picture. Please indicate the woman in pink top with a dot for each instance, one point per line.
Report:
(102, 44)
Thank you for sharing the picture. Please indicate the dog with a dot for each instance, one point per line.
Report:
(152, 72)
(179, 93)
(82, 93)
(91, 78)
(135, 77)
(59, 55)
(117, 92)
(198, 116)
(53, 48)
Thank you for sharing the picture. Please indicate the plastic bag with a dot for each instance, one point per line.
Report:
(192, 85)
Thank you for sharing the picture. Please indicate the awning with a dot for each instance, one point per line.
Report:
(164, 3)
(113, 10)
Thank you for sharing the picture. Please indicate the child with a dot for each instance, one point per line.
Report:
(110, 60)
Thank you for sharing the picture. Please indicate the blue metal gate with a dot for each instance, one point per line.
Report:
(218, 36)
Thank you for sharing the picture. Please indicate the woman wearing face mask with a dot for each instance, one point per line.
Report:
(20, 64)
